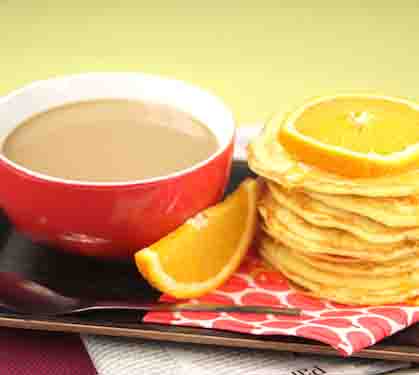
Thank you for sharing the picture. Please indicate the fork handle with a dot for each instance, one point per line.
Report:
(199, 307)
(208, 307)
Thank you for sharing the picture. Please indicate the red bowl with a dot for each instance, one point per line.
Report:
(111, 219)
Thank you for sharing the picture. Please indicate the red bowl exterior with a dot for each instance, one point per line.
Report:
(109, 221)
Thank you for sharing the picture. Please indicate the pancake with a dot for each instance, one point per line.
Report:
(391, 211)
(359, 267)
(350, 289)
(285, 226)
(349, 240)
(267, 158)
(320, 213)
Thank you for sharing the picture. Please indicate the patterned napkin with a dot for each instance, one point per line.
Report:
(346, 328)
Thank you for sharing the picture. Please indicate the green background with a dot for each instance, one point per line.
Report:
(259, 56)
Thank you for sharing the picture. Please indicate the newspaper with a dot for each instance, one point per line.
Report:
(122, 356)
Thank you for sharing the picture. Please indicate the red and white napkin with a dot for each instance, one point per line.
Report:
(346, 328)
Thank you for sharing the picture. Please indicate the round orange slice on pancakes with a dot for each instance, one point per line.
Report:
(206, 250)
(357, 136)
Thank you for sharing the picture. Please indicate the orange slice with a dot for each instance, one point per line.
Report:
(355, 136)
(202, 253)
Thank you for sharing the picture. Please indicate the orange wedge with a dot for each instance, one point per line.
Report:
(359, 136)
(202, 253)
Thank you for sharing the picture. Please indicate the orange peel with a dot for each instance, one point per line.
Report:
(356, 136)
(206, 250)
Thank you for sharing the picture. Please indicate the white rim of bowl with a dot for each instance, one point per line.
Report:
(44, 177)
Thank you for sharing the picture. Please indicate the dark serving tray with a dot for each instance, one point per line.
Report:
(91, 277)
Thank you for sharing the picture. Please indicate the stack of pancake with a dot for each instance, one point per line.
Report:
(353, 241)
